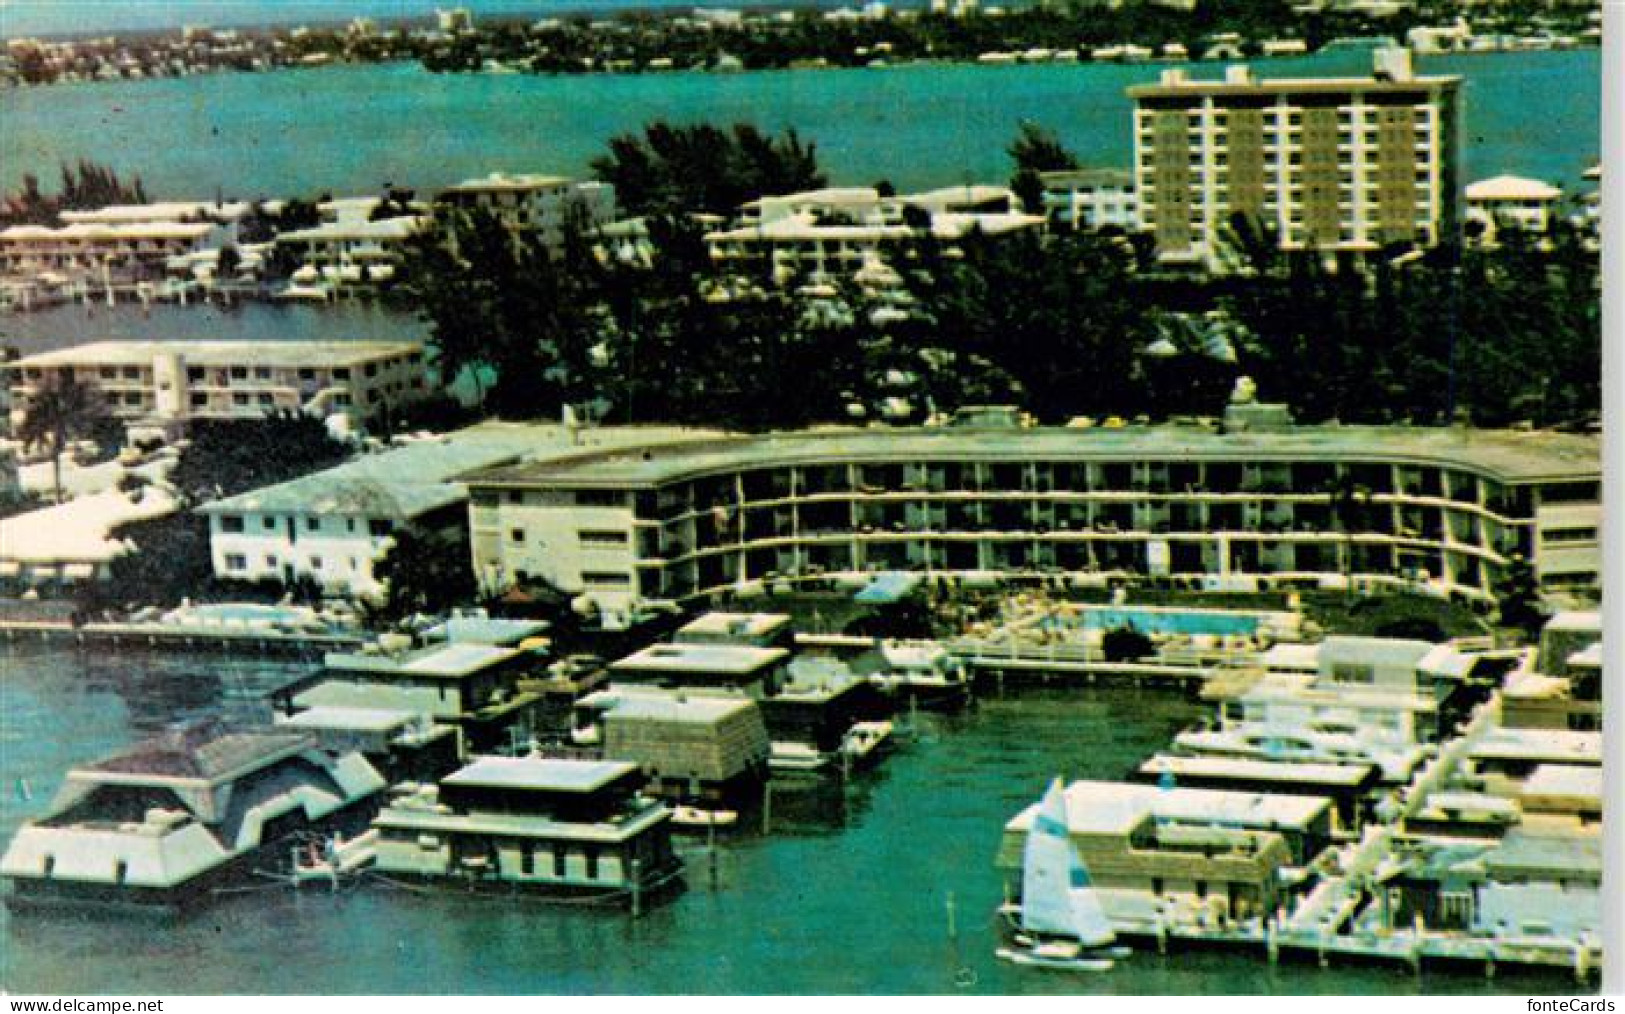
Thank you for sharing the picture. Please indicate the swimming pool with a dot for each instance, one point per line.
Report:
(1150, 620)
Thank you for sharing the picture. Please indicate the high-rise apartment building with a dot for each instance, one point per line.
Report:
(1332, 164)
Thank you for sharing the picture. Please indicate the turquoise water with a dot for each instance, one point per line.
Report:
(1156, 621)
(354, 129)
(849, 892)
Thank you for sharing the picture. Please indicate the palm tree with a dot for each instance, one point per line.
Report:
(61, 410)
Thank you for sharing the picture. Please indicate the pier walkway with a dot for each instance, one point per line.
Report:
(157, 636)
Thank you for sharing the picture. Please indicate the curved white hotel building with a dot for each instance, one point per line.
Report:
(1443, 510)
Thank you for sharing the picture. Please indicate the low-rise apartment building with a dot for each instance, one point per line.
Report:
(1091, 199)
(119, 243)
(1512, 202)
(535, 203)
(851, 232)
(331, 526)
(1440, 510)
(164, 384)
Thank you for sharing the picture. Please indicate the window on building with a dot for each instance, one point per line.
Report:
(315, 563)
(517, 536)
(270, 561)
(236, 561)
(313, 524)
(268, 523)
(231, 524)
(132, 373)
(1352, 672)
(1560, 535)
(239, 399)
(379, 529)
(266, 399)
(371, 370)
(199, 400)
(604, 538)
(194, 373)
(307, 374)
(606, 579)
(262, 373)
(341, 373)
(239, 373)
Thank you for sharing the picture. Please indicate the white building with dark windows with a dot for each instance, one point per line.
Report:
(852, 232)
(536, 203)
(1091, 198)
(163, 384)
(1443, 511)
(1512, 202)
(331, 526)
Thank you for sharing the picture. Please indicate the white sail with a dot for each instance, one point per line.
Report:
(1057, 897)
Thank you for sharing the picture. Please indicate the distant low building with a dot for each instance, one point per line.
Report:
(164, 384)
(1091, 199)
(350, 253)
(535, 203)
(850, 232)
(1512, 202)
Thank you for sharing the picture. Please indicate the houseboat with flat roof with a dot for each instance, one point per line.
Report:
(469, 685)
(1165, 856)
(164, 823)
(581, 828)
(696, 748)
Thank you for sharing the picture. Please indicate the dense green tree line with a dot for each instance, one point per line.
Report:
(1072, 323)
(85, 184)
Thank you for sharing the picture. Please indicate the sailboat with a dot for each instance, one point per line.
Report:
(1059, 923)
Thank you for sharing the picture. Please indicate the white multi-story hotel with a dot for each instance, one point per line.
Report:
(1442, 510)
(162, 384)
(535, 203)
(1329, 164)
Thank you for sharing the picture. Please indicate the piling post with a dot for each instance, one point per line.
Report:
(767, 808)
(953, 927)
(637, 888)
(711, 847)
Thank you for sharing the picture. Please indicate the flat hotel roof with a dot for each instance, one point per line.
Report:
(1504, 454)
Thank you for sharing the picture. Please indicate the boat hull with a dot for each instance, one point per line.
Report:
(1083, 963)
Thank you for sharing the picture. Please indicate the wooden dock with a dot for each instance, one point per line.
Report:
(148, 636)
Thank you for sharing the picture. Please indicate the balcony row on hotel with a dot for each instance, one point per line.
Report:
(1444, 510)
